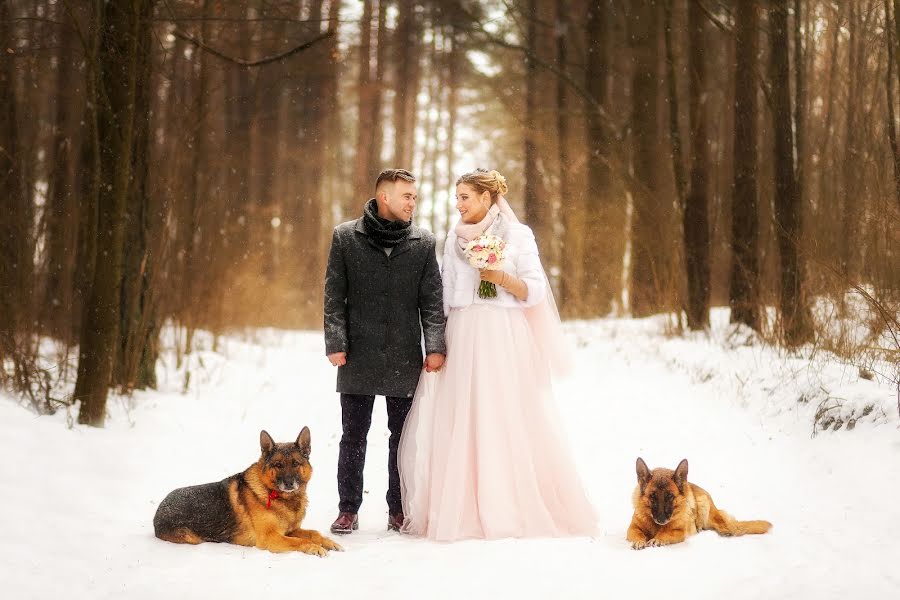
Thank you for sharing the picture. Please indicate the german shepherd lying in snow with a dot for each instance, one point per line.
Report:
(668, 509)
(262, 507)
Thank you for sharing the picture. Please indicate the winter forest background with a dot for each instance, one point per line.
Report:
(182, 163)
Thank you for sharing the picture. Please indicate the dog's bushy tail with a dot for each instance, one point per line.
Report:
(724, 524)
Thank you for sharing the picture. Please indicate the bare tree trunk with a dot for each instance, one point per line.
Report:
(889, 89)
(367, 91)
(648, 265)
(239, 120)
(453, 58)
(267, 124)
(62, 210)
(381, 56)
(334, 126)
(795, 322)
(406, 83)
(309, 244)
(15, 224)
(138, 326)
(538, 203)
(695, 218)
(531, 173)
(370, 132)
(89, 184)
(604, 225)
(122, 28)
(674, 112)
(194, 271)
(799, 104)
(829, 170)
(572, 278)
(430, 126)
(744, 290)
(850, 199)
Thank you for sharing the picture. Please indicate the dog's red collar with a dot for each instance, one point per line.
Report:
(272, 495)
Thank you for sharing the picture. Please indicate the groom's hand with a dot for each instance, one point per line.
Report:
(337, 359)
(434, 362)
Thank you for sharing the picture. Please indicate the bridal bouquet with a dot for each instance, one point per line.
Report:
(486, 252)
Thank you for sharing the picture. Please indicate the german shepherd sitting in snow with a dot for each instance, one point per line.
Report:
(262, 507)
(668, 509)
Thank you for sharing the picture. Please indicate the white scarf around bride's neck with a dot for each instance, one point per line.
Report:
(466, 232)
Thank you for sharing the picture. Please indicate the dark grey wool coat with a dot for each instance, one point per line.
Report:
(377, 307)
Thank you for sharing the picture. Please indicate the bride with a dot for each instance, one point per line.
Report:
(483, 454)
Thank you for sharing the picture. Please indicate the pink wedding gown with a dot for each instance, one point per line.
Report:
(483, 453)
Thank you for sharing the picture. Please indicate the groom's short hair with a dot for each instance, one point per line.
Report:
(392, 175)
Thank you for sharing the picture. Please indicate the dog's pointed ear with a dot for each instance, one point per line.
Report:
(643, 473)
(681, 474)
(304, 442)
(266, 443)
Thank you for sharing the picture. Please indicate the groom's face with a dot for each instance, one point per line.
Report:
(400, 201)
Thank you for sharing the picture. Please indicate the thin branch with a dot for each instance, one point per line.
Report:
(38, 20)
(246, 63)
(256, 20)
(714, 19)
(238, 61)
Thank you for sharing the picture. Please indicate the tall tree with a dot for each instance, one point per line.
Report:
(604, 224)
(367, 90)
(744, 290)
(406, 57)
(15, 226)
(371, 87)
(890, 21)
(540, 123)
(695, 218)
(89, 168)
(137, 349)
(533, 205)
(453, 76)
(648, 253)
(61, 216)
(120, 33)
(572, 277)
(794, 318)
(850, 198)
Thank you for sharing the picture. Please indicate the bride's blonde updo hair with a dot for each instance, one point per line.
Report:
(483, 180)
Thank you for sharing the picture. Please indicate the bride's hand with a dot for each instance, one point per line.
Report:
(494, 277)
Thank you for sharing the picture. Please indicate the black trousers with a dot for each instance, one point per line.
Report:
(356, 416)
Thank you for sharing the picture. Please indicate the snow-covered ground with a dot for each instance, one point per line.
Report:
(76, 504)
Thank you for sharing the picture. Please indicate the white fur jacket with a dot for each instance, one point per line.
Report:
(461, 280)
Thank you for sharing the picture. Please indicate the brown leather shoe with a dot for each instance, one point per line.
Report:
(395, 521)
(346, 522)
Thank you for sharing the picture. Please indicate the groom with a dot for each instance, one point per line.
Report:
(382, 293)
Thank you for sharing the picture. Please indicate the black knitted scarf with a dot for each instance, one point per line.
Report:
(386, 234)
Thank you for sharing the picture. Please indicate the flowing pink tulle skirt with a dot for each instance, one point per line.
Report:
(483, 454)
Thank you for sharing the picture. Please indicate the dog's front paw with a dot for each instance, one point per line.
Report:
(651, 543)
(331, 545)
(315, 550)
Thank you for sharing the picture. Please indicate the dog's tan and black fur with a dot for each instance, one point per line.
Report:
(668, 509)
(262, 506)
